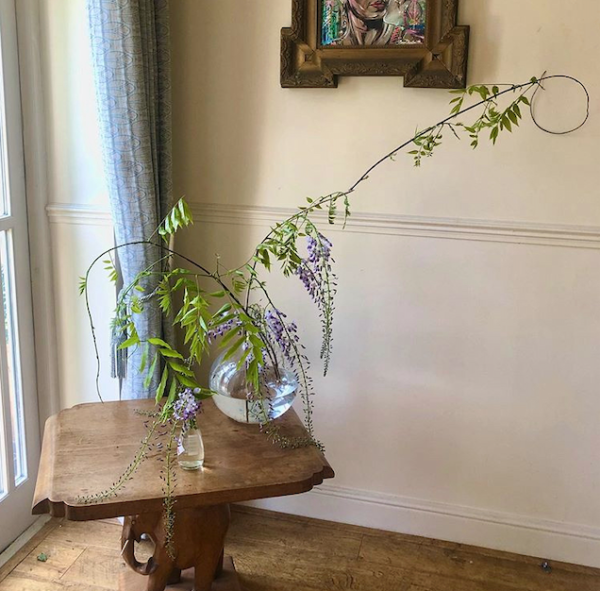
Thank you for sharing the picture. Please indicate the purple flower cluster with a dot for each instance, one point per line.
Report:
(319, 252)
(285, 335)
(313, 268)
(219, 331)
(320, 282)
(187, 406)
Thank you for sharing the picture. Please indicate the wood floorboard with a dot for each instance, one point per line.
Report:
(23, 552)
(276, 552)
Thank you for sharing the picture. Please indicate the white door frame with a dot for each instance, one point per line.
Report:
(16, 505)
(31, 39)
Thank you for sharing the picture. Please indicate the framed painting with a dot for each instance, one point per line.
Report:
(417, 39)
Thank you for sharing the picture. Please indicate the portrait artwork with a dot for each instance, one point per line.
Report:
(419, 40)
(359, 23)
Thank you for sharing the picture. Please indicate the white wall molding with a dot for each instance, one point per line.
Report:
(400, 225)
(85, 215)
(565, 235)
(526, 535)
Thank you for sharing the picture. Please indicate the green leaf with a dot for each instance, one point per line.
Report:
(136, 307)
(222, 310)
(244, 356)
(483, 92)
(151, 371)
(111, 270)
(172, 393)
(144, 358)
(233, 349)
(525, 100)
(162, 384)
(182, 369)
(159, 343)
(179, 217)
(171, 353)
(229, 335)
(494, 134)
(332, 211)
(264, 258)
(205, 393)
(134, 339)
(187, 382)
(219, 320)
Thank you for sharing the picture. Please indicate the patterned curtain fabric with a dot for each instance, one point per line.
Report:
(130, 48)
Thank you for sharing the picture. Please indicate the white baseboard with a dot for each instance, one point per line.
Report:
(33, 529)
(551, 540)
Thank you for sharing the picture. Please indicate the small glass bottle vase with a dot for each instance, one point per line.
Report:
(190, 448)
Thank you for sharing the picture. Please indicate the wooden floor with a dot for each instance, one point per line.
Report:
(281, 553)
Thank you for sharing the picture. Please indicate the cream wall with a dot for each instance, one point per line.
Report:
(77, 208)
(463, 399)
(463, 396)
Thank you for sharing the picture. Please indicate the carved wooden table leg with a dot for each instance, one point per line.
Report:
(198, 540)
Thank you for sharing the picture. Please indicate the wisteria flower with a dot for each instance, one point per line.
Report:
(186, 407)
(320, 282)
(284, 334)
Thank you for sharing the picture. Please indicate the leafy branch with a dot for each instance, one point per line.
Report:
(281, 243)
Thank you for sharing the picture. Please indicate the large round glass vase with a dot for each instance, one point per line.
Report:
(234, 399)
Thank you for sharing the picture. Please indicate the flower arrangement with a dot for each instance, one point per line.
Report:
(240, 314)
(187, 407)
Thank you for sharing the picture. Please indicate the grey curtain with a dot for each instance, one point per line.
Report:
(130, 48)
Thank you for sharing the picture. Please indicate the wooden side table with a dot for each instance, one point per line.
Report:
(86, 448)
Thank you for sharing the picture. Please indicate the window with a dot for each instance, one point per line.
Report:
(19, 425)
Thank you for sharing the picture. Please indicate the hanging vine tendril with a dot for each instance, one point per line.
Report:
(540, 87)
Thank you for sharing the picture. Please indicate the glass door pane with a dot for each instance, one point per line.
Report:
(11, 355)
(19, 423)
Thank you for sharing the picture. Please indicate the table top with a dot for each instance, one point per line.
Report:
(87, 448)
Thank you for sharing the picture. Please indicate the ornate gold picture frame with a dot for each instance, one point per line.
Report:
(417, 39)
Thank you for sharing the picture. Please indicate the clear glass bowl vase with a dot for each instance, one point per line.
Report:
(238, 402)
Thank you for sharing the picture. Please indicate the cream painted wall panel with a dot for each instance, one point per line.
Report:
(74, 153)
(75, 174)
(75, 246)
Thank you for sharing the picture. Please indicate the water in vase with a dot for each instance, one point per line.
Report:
(190, 450)
(234, 399)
